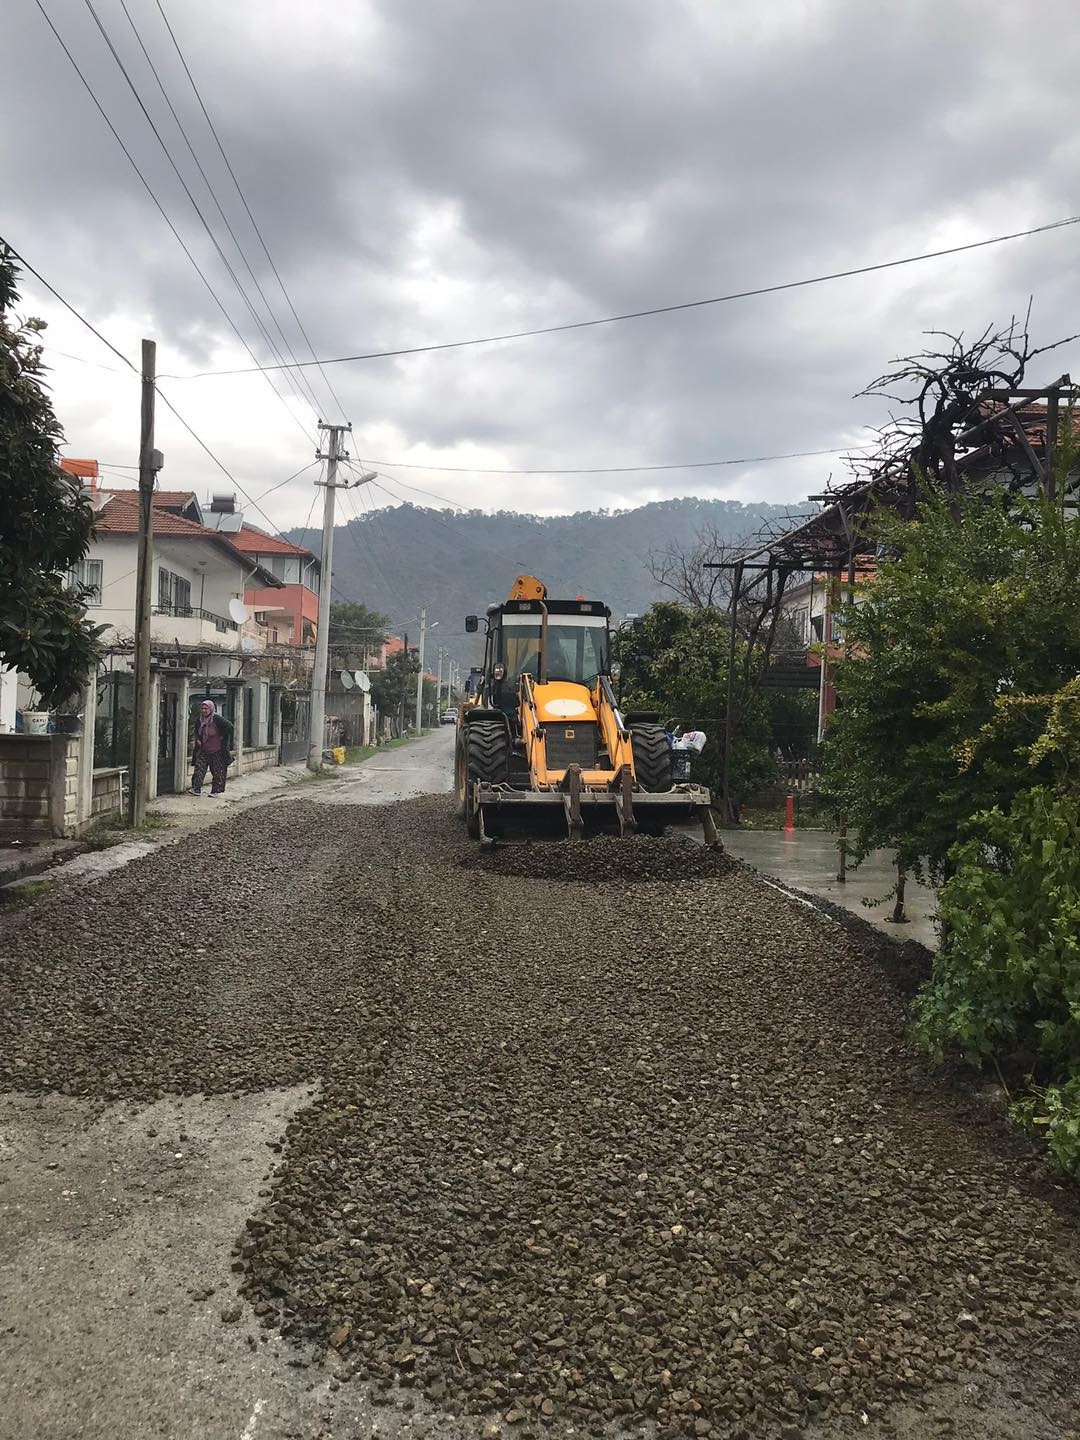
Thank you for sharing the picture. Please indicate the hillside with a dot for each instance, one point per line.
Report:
(400, 558)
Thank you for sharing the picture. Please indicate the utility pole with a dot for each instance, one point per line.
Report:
(333, 454)
(438, 687)
(150, 462)
(420, 673)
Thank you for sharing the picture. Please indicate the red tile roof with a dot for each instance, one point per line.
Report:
(85, 469)
(256, 542)
(163, 499)
(120, 516)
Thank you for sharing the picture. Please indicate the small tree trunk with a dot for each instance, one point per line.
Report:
(899, 916)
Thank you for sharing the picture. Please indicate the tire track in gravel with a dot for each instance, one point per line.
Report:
(602, 1136)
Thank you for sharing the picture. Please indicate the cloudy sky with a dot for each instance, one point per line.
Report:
(432, 170)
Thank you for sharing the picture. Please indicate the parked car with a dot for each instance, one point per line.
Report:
(448, 717)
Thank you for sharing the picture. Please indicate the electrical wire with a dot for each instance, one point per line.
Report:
(662, 309)
(247, 207)
(198, 211)
(618, 469)
(295, 475)
(163, 397)
(157, 204)
(385, 573)
(301, 377)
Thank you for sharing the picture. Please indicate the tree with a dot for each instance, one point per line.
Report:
(46, 525)
(953, 651)
(675, 662)
(355, 631)
(394, 689)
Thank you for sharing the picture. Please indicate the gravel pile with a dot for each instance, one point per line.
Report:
(586, 1150)
(637, 857)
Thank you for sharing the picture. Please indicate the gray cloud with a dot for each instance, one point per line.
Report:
(426, 172)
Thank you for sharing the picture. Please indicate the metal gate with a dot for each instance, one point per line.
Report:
(295, 714)
(166, 754)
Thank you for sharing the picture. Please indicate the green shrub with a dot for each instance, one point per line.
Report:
(1006, 984)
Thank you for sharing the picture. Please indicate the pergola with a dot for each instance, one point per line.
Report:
(1012, 442)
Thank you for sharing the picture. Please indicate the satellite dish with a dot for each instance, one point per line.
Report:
(346, 679)
(238, 611)
(361, 678)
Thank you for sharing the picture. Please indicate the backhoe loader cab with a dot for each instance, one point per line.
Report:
(543, 736)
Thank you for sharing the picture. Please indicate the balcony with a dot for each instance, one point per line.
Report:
(191, 626)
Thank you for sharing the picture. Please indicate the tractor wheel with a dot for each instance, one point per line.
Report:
(487, 759)
(652, 757)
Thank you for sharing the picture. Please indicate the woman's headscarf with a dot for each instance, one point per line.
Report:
(206, 721)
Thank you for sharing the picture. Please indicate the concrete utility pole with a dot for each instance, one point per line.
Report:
(420, 672)
(438, 687)
(334, 453)
(150, 462)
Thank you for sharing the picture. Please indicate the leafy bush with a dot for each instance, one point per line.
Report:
(1006, 984)
(675, 662)
(954, 650)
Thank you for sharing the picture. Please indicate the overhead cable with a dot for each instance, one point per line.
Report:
(157, 204)
(247, 207)
(198, 211)
(658, 309)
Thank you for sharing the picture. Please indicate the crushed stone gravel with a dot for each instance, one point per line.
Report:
(588, 1148)
(637, 857)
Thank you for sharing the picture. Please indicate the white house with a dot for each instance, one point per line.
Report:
(202, 645)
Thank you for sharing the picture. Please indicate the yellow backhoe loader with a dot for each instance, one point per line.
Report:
(542, 739)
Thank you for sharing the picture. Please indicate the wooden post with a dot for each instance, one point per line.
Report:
(142, 717)
(728, 728)
(1051, 443)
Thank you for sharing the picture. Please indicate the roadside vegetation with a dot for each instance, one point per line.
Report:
(956, 742)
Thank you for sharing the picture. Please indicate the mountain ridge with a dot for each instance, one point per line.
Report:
(402, 557)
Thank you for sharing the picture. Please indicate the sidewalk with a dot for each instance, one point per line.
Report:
(73, 860)
(807, 860)
(246, 787)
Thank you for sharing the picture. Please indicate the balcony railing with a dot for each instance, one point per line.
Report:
(190, 612)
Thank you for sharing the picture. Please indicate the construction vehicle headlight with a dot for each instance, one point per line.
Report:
(499, 672)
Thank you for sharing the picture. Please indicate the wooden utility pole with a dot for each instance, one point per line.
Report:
(141, 719)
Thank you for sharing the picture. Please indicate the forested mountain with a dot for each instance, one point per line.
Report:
(456, 563)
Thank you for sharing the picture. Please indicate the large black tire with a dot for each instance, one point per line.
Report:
(652, 757)
(486, 756)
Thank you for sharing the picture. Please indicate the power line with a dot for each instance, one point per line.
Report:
(198, 211)
(164, 398)
(225, 219)
(157, 204)
(247, 207)
(9, 249)
(615, 469)
(660, 309)
(295, 475)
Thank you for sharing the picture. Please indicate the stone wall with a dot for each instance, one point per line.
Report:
(108, 794)
(39, 786)
(256, 757)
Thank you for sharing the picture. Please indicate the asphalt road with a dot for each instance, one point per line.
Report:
(117, 1225)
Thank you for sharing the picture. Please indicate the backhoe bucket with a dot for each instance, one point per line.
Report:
(575, 810)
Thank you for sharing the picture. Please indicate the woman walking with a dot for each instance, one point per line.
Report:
(213, 737)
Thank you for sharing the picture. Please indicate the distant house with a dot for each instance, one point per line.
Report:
(290, 604)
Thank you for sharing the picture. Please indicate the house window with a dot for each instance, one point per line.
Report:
(86, 575)
(164, 589)
(181, 594)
